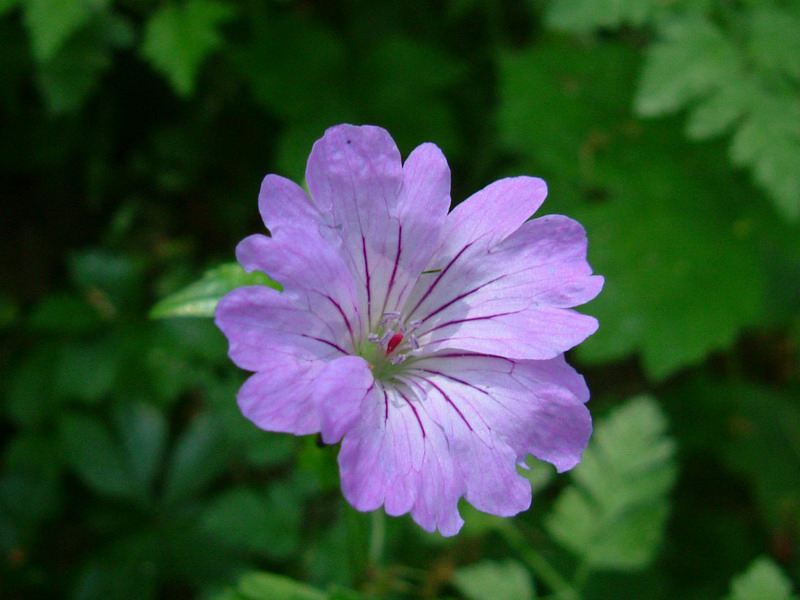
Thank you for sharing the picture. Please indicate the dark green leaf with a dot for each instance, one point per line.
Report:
(198, 457)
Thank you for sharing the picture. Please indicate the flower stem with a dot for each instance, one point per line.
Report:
(560, 587)
(377, 537)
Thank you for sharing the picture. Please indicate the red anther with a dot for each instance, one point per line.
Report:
(394, 342)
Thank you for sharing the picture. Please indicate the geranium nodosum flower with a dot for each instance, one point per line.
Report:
(430, 344)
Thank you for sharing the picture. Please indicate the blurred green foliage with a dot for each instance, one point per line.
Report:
(133, 137)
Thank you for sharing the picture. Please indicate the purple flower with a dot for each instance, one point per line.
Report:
(430, 344)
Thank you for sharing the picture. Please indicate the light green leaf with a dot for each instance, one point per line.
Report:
(768, 141)
(586, 15)
(774, 42)
(269, 586)
(613, 514)
(762, 580)
(488, 580)
(696, 63)
(200, 298)
(691, 58)
(181, 35)
(51, 22)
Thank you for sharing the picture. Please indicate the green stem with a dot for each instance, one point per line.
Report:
(561, 588)
(377, 537)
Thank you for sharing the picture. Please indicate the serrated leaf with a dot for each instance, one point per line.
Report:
(51, 22)
(768, 141)
(641, 191)
(774, 42)
(762, 580)
(696, 62)
(200, 298)
(586, 15)
(488, 580)
(181, 35)
(613, 514)
(691, 58)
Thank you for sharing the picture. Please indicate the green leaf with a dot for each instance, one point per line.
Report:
(774, 42)
(768, 141)
(199, 457)
(694, 62)
(181, 35)
(51, 22)
(691, 58)
(95, 455)
(270, 586)
(70, 77)
(613, 514)
(762, 580)
(488, 580)
(200, 298)
(586, 15)
(266, 523)
(143, 432)
(641, 191)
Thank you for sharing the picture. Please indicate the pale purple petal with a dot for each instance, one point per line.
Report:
(340, 388)
(282, 202)
(531, 405)
(280, 396)
(512, 299)
(487, 217)
(398, 457)
(259, 322)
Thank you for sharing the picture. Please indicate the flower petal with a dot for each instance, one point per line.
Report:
(397, 457)
(384, 217)
(280, 396)
(260, 322)
(340, 388)
(487, 217)
(530, 405)
(308, 267)
(282, 202)
(511, 299)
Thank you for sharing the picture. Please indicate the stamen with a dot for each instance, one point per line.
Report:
(387, 337)
(394, 342)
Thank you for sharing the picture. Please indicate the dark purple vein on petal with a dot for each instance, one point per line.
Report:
(445, 396)
(461, 297)
(366, 274)
(414, 409)
(341, 312)
(456, 379)
(394, 269)
(467, 320)
(331, 344)
(438, 279)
